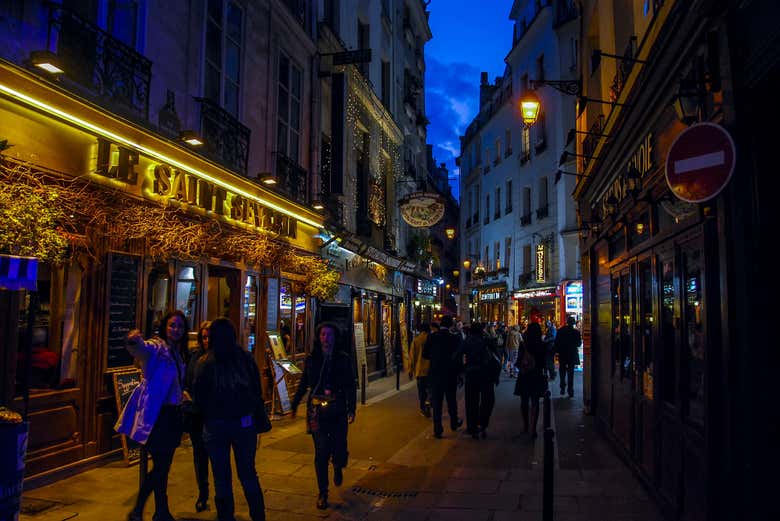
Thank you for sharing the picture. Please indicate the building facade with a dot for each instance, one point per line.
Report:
(146, 221)
(671, 261)
(520, 221)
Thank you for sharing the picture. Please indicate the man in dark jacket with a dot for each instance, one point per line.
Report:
(567, 343)
(441, 348)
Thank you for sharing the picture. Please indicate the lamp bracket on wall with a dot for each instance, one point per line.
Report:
(569, 87)
(565, 157)
(573, 132)
(561, 173)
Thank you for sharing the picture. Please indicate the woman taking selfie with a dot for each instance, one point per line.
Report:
(152, 416)
(329, 377)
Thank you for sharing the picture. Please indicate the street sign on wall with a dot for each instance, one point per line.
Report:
(700, 162)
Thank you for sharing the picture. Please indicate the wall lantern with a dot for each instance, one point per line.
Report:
(467, 263)
(267, 178)
(417, 303)
(688, 101)
(317, 205)
(47, 61)
(191, 138)
(450, 232)
(633, 181)
(529, 108)
(455, 273)
(611, 205)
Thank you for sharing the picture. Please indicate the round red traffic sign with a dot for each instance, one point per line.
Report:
(700, 162)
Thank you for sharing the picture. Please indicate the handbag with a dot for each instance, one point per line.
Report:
(260, 419)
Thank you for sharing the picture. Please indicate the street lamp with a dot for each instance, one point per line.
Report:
(456, 273)
(450, 232)
(467, 263)
(529, 108)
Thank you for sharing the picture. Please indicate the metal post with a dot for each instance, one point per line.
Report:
(546, 410)
(549, 475)
(363, 384)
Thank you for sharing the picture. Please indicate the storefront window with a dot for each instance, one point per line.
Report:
(366, 311)
(186, 295)
(639, 230)
(158, 284)
(44, 360)
(668, 336)
(645, 275)
(693, 303)
(617, 244)
(250, 312)
(621, 327)
(300, 324)
(286, 314)
(222, 282)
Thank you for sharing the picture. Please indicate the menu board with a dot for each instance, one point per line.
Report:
(125, 383)
(123, 294)
(272, 316)
(277, 347)
(281, 388)
(360, 346)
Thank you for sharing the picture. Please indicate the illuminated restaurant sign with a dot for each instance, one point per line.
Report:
(535, 293)
(540, 263)
(161, 180)
(422, 209)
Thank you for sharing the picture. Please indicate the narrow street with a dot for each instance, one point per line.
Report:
(397, 471)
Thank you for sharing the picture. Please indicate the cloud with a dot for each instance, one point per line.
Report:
(451, 101)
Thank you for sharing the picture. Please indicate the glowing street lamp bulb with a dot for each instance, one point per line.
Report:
(529, 108)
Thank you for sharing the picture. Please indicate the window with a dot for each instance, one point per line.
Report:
(525, 218)
(187, 294)
(508, 143)
(386, 83)
(694, 344)
(331, 15)
(540, 68)
(487, 158)
(364, 42)
(224, 26)
(508, 251)
(498, 150)
(487, 208)
(289, 108)
(497, 254)
(668, 327)
(542, 210)
(475, 220)
(574, 51)
(540, 132)
(527, 267)
(122, 21)
(487, 255)
(497, 213)
(508, 205)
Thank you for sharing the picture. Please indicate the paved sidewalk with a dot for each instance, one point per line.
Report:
(397, 471)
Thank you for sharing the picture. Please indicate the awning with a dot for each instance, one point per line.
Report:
(363, 278)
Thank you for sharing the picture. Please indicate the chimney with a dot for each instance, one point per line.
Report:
(485, 90)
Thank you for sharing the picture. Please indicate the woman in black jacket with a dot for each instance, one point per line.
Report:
(482, 368)
(193, 420)
(531, 382)
(329, 377)
(227, 392)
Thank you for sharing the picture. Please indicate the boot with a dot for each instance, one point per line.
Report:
(225, 508)
(256, 506)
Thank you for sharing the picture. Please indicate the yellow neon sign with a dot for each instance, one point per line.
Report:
(148, 151)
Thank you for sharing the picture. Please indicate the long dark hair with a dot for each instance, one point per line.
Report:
(162, 332)
(337, 344)
(231, 370)
(533, 335)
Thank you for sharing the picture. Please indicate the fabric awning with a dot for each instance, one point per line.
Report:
(363, 278)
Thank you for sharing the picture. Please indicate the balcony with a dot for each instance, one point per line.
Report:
(227, 140)
(542, 212)
(623, 70)
(592, 139)
(525, 220)
(291, 179)
(101, 67)
(525, 157)
(508, 152)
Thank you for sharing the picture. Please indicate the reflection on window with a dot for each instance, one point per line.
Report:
(186, 294)
(694, 334)
(668, 336)
(158, 297)
(300, 324)
(285, 314)
(44, 359)
(250, 311)
(646, 357)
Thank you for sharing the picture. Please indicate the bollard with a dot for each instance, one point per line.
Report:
(549, 475)
(546, 410)
(363, 384)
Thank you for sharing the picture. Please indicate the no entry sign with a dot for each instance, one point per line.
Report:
(700, 162)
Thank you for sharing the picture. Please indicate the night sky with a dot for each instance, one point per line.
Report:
(468, 37)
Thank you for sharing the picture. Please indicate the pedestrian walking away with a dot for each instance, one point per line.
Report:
(441, 349)
(152, 415)
(482, 371)
(419, 368)
(567, 344)
(329, 378)
(227, 392)
(513, 344)
(531, 382)
(549, 348)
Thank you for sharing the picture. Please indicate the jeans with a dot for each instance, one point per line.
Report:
(330, 442)
(155, 481)
(423, 392)
(566, 371)
(222, 435)
(480, 399)
(439, 391)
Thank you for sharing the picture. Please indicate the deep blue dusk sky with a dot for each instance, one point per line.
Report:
(468, 37)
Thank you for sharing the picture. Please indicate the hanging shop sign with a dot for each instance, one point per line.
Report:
(700, 162)
(426, 287)
(491, 294)
(540, 263)
(422, 209)
(525, 294)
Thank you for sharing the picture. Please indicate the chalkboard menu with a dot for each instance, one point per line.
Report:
(121, 307)
(272, 319)
(124, 384)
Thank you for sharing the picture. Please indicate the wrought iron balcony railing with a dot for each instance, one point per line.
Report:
(525, 220)
(592, 139)
(226, 139)
(291, 179)
(103, 68)
(623, 70)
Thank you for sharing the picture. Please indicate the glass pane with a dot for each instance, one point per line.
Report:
(215, 10)
(186, 294)
(300, 324)
(615, 324)
(296, 82)
(213, 44)
(250, 311)
(668, 336)
(284, 71)
(295, 114)
(211, 88)
(694, 333)
(231, 98)
(232, 61)
(233, 22)
(44, 362)
(283, 106)
(646, 326)
(286, 314)
(158, 298)
(293, 152)
(281, 138)
(626, 344)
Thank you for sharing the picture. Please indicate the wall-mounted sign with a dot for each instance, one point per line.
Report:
(535, 293)
(426, 287)
(491, 294)
(700, 162)
(643, 159)
(540, 275)
(574, 288)
(422, 209)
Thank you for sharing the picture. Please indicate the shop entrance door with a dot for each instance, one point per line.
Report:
(622, 356)
(224, 294)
